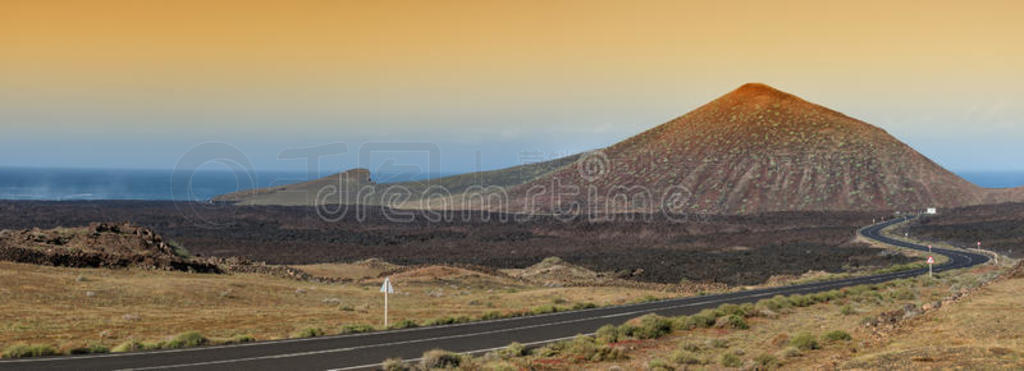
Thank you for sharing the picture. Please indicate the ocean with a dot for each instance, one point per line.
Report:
(56, 184)
(61, 184)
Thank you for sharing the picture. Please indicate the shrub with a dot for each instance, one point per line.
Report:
(89, 349)
(544, 309)
(132, 346)
(838, 335)
(652, 326)
(238, 339)
(791, 352)
(699, 321)
(658, 364)
(847, 310)
(393, 364)
(186, 340)
(731, 360)
(585, 348)
(308, 332)
(805, 341)
(719, 343)
(747, 309)
(684, 357)
(26, 351)
(729, 309)
(405, 323)
(782, 302)
(608, 333)
(626, 330)
(766, 362)
(491, 315)
(800, 301)
(737, 322)
(586, 305)
(679, 323)
(691, 347)
(512, 350)
(438, 358)
(356, 329)
(446, 321)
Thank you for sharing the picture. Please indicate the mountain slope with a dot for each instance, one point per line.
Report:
(755, 149)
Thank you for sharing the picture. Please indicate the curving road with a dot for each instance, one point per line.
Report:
(366, 351)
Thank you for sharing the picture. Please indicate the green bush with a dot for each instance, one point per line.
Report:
(658, 364)
(356, 329)
(405, 323)
(491, 315)
(186, 340)
(766, 362)
(838, 335)
(133, 346)
(800, 301)
(737, 322)
(805, 341)
(608, 333)
(90, 349)
(782, 302)
(586, 348)
(652, 326)
(679, 323)
(700, 321)
(729, 309)
(587, 305)
(26, 351)
(719, 343)
(791, 352)
(238, 339)
(683, 357)
(512, 350)
(691, 347)
(731, 360)
(446, 321)
(543, 309)
(438, 358)
(393, 364)
(847, 310)
(308, 332)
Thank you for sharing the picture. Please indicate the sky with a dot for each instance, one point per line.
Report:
(488, 84)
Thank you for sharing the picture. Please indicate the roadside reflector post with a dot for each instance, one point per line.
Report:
(386, 289)
(931, 261)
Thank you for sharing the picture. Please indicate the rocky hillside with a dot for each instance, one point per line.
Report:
(756, 149)
(98, 245)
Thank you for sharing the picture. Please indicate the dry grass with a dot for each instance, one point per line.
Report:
(986, 331)
(69, 307)
(770, 338)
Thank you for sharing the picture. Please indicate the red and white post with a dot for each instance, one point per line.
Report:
(931, 261)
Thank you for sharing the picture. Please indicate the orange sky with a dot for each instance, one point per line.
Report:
(495, 74)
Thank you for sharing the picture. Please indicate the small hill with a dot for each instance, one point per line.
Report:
(344, 187)
(98, 245)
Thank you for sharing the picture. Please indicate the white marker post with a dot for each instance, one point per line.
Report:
(929, 249)
(386, 289)
(931, 261)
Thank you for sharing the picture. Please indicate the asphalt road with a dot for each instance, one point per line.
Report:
(366, 351)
